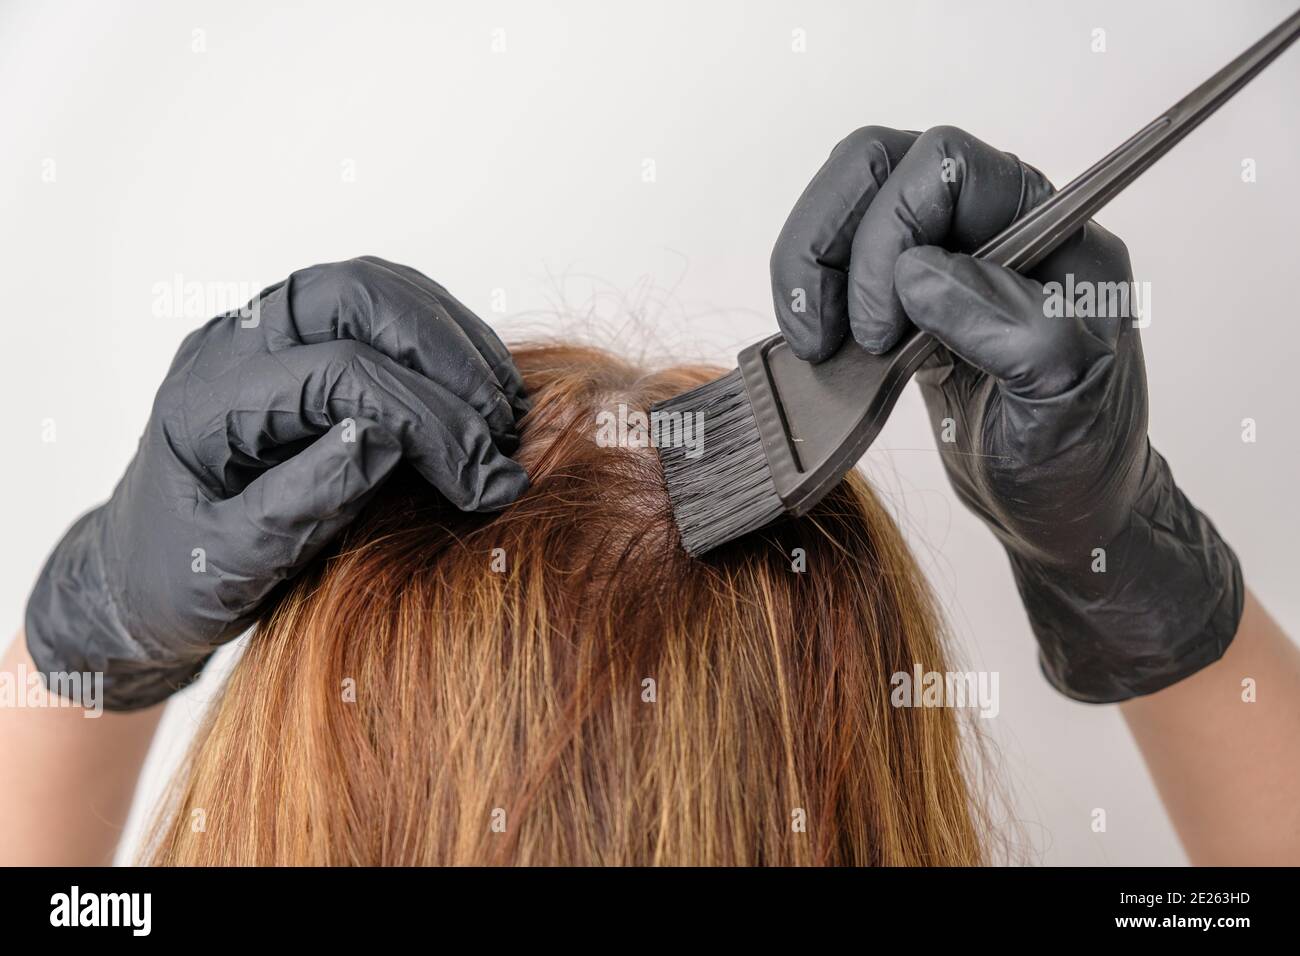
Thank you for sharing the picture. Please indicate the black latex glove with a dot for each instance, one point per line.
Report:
(1046, 416)
(270, 432)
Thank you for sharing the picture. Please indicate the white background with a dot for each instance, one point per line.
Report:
(521, 171)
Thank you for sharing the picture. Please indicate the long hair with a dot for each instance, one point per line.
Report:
(560, 683)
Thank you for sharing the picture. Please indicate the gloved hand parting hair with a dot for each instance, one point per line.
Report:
(1039, 404)
(272, 429)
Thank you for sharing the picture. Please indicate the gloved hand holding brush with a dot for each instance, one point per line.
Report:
(1040, 404)
(270, 432)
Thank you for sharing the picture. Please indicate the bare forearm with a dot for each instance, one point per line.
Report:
(1224, 749)
(69, 777)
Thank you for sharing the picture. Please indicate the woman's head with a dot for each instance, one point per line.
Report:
(560, 684)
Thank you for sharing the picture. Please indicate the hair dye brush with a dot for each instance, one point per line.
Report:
(782, 432)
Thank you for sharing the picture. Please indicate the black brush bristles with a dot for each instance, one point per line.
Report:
(722, 488)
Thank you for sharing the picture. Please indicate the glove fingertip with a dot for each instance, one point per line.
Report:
(501, 486)
(876, 317)
(812, 348)
(878, 341)
(918, 260)
(485, 486)
(920, 277)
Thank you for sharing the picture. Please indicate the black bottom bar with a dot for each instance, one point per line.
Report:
(211, 906)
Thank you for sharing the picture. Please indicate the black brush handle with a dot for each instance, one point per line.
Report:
(811, 417)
